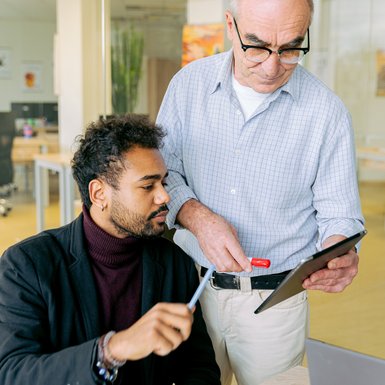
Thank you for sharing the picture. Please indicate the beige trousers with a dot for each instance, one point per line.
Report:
(252, 346)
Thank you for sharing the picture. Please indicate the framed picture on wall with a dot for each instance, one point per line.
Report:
(31, 76)
(5, 63)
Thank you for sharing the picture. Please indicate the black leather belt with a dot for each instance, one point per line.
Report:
(229, 281)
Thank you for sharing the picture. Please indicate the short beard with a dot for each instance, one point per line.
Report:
(129, 223)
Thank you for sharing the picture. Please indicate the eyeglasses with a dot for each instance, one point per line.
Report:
(286, 55)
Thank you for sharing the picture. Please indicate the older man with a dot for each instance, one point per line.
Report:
(261, 164)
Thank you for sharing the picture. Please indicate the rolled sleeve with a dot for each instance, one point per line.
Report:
(336, 184)
(180, 193)
(169, 119)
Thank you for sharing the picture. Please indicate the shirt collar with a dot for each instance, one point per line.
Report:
(223, 79)
(224, 74)
(292, 87)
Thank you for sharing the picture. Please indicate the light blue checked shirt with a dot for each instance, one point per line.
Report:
(285, 178)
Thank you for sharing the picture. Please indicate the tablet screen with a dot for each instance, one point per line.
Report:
(292, 284)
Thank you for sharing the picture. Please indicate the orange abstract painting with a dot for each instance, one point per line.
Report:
(380, 73)
(202, 40)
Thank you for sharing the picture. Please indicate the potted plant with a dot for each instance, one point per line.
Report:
(126, 67)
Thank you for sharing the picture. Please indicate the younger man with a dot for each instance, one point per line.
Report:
(104, 297)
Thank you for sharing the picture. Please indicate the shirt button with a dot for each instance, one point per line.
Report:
(233, 191)
(237, 152)
(239, 112)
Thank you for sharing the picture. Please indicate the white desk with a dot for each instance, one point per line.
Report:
(59, 162)
(298, 375)
(24, 150)
(375, 155)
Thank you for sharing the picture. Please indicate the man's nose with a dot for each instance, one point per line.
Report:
(272, 65)
(162, 196)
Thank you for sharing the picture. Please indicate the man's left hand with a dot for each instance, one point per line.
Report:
(339, 272)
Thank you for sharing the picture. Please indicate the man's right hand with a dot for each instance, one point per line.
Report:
(161, 330)
(217, 238)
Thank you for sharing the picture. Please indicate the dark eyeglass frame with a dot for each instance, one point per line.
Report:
(245, 47)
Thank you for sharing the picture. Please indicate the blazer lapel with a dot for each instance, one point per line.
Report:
(153, 274)
(84, 284)
(152, 279)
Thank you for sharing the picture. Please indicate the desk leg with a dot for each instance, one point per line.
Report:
(39, 198)
(45, 186)
(62, 197)
(45, 178)
(69, 195)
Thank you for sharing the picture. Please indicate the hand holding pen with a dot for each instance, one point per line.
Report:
(257, 262)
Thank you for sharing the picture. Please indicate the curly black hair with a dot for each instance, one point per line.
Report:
(101, 150)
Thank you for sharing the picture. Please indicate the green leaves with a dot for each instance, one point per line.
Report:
(126, 67)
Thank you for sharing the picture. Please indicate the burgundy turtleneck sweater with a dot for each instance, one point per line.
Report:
(117, 268)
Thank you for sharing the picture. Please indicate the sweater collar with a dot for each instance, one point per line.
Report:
(107, 249)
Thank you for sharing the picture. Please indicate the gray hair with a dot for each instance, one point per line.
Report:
(233, 7)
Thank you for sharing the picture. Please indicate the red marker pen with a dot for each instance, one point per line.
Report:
(257, 262)
(260, 262)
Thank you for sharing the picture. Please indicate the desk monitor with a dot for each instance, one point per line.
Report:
(7, 122)
(26, 110)
(334, 365)
(292, 284)
(50, 112)
(36, 110)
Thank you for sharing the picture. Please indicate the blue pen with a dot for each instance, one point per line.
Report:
(257, 262)
(201, 286)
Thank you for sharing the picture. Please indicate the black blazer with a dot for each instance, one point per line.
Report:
(49, 313)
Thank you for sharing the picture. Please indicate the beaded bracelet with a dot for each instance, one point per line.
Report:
(106, 364)
(107, 374)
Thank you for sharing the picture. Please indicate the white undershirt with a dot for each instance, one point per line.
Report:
(249, 99)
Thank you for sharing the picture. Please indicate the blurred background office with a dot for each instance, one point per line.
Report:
(61, 67)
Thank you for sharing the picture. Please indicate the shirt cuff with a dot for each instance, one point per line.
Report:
(179, 196)
(346, 228)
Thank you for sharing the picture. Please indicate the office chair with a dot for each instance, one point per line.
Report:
(7, 133)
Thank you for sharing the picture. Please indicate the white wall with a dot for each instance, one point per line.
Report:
(29, 42)
(356, 34)
(357, 31)
(205, 11)
(80, 74)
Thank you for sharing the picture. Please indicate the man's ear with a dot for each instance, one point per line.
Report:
(229, 25)
(97, 193)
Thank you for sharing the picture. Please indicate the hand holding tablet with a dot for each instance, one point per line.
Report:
(292, 284)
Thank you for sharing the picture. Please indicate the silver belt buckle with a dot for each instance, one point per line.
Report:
(236, 281)
(212, 282)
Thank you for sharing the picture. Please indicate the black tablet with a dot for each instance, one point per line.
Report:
(292, 283)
